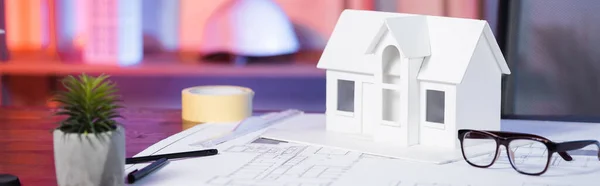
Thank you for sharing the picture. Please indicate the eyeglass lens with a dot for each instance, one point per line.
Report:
(528, 156)
(479, 149)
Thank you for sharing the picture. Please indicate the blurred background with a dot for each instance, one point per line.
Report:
(155, 48)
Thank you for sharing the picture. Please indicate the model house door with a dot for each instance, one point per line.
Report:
(369, 102)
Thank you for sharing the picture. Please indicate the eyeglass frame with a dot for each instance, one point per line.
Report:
(504, 138)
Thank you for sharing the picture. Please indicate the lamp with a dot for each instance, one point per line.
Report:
(249, 28)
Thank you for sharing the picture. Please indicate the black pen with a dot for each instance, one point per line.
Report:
(200, 153)
(139, 174)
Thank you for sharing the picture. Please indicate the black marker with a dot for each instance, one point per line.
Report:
(139, 174)
(200, 153)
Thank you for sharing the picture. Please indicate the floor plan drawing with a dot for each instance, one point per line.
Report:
(543, 184)
(251, 160)
(436, 184)
(291, 164)
(282, 163)
(585, 166)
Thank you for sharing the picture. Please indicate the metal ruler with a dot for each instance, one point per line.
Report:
(252, 124)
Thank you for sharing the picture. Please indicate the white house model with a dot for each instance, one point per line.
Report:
(408, 79)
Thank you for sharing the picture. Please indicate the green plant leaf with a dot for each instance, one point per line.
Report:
(91, 104)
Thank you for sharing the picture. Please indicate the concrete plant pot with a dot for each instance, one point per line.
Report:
(87, 159)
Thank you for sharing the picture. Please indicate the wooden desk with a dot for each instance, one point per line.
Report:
(26, 148)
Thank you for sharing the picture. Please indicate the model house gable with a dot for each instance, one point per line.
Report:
(410, 34)
(352, 34)
(453, 44)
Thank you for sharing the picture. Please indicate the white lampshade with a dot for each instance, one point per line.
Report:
(250, 28)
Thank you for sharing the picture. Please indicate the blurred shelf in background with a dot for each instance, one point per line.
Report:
(300, 65)
(282, 82)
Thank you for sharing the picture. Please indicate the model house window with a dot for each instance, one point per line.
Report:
(391, 105)
(345, 95)
(435, 106)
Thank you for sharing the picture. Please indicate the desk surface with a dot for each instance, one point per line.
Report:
(26, 141)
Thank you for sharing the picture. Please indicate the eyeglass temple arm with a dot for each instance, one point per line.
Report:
(563, 147)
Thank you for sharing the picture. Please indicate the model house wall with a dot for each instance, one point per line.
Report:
(486, 92)
(438, 111)
(474, 102)
(344, 103)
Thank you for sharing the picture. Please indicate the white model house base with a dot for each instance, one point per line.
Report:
(408, 80)
(309, 129)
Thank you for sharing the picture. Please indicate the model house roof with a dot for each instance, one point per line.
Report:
(446, 43)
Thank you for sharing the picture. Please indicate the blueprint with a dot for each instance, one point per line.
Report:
(263, 162)
(289, 164)
(584, 170)
(397, 173)
(252, 160)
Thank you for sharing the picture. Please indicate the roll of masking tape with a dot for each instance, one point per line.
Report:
(216, 104)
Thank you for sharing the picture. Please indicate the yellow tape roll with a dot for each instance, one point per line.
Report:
(217, 104)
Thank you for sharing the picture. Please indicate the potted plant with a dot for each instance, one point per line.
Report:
(89, 143)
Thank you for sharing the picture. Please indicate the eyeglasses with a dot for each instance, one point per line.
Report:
(527, 153)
